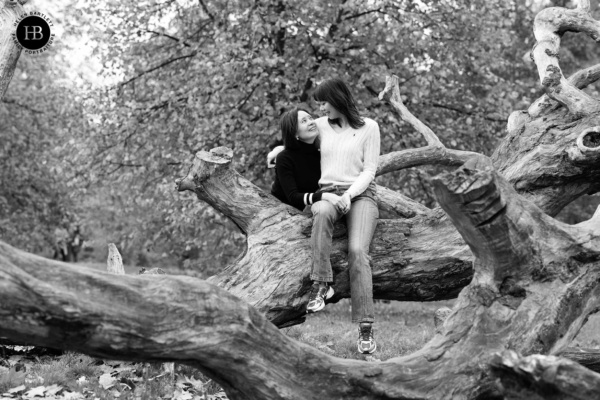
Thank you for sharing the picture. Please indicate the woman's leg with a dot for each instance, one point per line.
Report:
(324, 216)
(361, 221)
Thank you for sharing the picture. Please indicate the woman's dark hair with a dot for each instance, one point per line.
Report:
(336, 92)
(289, 128)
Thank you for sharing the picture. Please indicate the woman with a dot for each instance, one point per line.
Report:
(298, 168)
(350, 148)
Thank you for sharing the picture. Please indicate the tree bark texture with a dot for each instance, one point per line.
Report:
(538, 377)
(10, 10)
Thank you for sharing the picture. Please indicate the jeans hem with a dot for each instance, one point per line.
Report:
(361, 320)
(321, 279)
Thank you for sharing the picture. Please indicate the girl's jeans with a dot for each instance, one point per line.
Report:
(361, 221)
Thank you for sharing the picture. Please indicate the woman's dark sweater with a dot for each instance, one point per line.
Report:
(297, 176)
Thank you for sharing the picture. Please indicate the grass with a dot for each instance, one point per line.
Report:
(400, 328)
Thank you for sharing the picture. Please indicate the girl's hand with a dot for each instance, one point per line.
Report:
(345, 203)
(341, 204)
(273, 155)
(330, 197)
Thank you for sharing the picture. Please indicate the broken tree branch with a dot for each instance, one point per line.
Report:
(540, 377)
(549, 25)
(391, 94)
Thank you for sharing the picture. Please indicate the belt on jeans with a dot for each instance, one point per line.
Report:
(333, 188)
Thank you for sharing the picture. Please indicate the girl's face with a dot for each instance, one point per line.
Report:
(328, 110)
(307, 129)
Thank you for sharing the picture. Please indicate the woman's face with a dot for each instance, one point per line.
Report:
(328, 110)
(307, 129)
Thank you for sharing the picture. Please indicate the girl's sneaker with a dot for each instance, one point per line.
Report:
(366, 341)
(318, 295)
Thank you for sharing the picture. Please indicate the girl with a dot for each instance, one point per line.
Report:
(350, 148)
(298, 167)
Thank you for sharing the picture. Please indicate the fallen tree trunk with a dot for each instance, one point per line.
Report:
(410, 262)
(589, 358)
(535, 282)
(544, 378)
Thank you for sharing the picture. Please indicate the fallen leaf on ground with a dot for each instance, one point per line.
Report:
(17, 389)
(182, 395)
(107, 380)
(35, 392)
(52, 390)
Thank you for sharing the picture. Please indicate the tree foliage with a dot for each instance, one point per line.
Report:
(168, 78)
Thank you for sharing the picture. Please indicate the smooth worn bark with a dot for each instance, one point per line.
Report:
(540, 377)
(549, 26)
(589, 358)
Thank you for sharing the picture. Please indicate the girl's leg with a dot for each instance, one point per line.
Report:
(324, 216)
(361, 221)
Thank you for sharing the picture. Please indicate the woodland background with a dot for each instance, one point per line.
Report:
(95, 130)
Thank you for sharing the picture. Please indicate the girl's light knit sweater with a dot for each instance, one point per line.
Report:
(349, 158)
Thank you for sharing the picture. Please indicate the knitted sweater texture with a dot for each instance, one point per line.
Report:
(349, 158)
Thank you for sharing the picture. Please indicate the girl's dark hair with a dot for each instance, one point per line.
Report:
(336, 92)
(289, 128)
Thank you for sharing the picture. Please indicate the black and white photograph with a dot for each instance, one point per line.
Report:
(298, 200)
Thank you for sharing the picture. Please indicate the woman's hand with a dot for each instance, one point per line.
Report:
(345, 203)
(273, 155)
(339, 202)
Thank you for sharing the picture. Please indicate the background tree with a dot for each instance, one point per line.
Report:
(131, 92)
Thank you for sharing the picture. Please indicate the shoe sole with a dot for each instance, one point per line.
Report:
(315, 310)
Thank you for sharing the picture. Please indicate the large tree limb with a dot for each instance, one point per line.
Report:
(227, 191)
(434, 153)
(391, 93)
(519, 302)
(549, 25)
(589, 358)
(275, 280)
(580, 79)
(524, 258)
(428, 155)
(551, 160)
(544, 378)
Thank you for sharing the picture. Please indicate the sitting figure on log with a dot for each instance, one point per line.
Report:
(349, 148)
